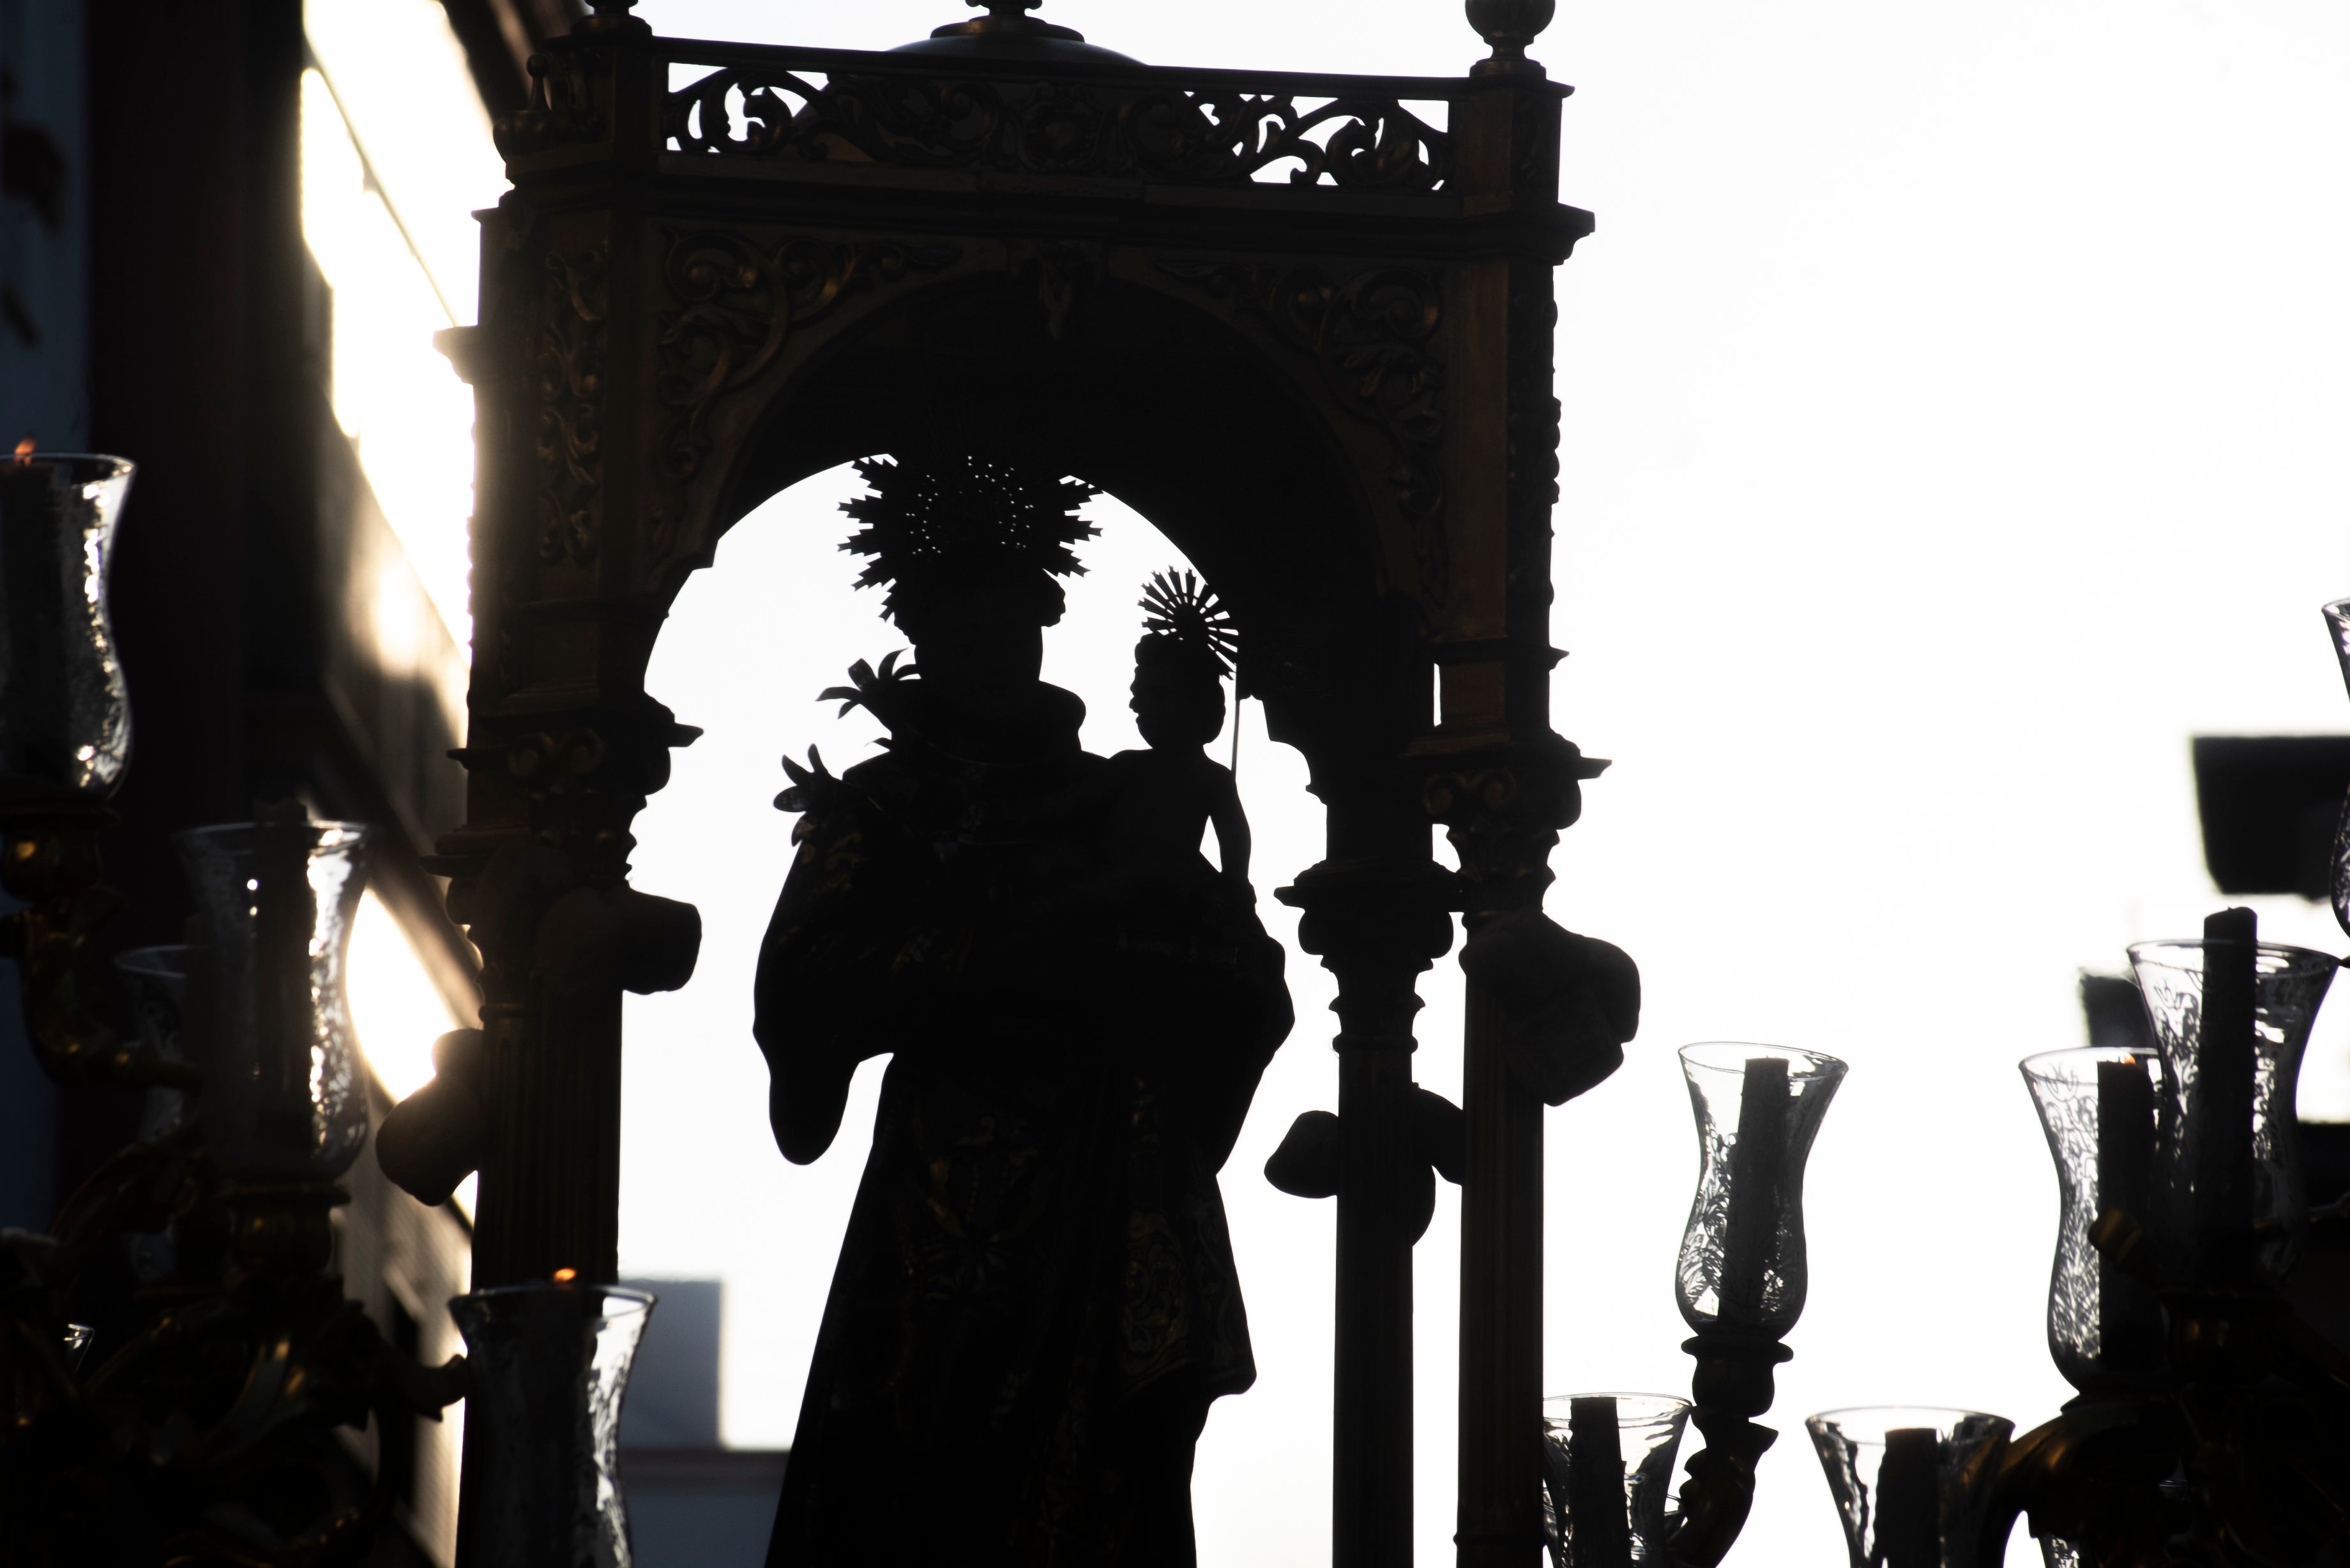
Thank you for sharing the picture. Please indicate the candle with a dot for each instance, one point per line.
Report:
(1598, 1520)
(2124, 1152)
(1909, 1500)
(2220, 1109)
(1757, 1165)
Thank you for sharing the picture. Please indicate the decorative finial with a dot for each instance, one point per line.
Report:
(1006, 20)
(612, 17)
(1509, 25)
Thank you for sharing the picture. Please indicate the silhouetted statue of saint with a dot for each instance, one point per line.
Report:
(1036, 1302)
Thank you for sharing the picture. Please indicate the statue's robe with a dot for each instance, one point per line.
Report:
(1036, 1299)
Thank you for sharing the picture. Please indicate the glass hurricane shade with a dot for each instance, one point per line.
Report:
(65, 712)
(550, 1366)
(1607, 1465)
(1758, 1108)
(285, 1092)
(2227, 1175)
(1912, 1484)
(2101, 1108)
(2337, 624)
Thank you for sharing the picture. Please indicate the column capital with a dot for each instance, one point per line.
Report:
(1502, 809)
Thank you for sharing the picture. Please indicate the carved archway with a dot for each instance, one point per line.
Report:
(1162, 405)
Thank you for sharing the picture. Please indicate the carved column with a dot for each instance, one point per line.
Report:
(1502, 819)
(562, 936)
(1497, 778)
(563, 746)
(1376, 924)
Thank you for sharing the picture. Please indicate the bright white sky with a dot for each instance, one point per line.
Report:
(1954, 408)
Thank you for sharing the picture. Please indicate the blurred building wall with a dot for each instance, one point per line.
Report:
(287, 631)
(44, 393)
(692, 1502)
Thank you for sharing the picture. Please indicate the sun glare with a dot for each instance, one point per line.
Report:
(398, 1009)
(410, 417)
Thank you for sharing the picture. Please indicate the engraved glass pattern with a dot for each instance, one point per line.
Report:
(2100, 1108)
(1912, 1484)
(1634, 1466)
(1758, 1108)
(284, 1092)
(550, 1367)
(65, 712)
(2288, 985)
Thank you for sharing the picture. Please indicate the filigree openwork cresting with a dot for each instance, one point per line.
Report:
(1193, 135)
(1370, 337)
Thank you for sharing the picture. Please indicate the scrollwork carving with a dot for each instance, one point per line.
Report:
(1217, 138)
(1207, 137)
(1370, 337)
(569, 353)
(933, 124)
(738, 302)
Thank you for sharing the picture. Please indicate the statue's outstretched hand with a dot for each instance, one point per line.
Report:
(1568, 1003)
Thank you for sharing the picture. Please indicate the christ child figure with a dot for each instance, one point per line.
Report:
(1165, 798)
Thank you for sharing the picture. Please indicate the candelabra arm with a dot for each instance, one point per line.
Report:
(2092, 1477)
(1732, 1383)
(2252, 1414)
(196, 1424)
(1719, 1493)
(139, 1190)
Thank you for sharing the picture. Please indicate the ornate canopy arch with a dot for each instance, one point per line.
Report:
(1155, 398)
(1301, 322)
